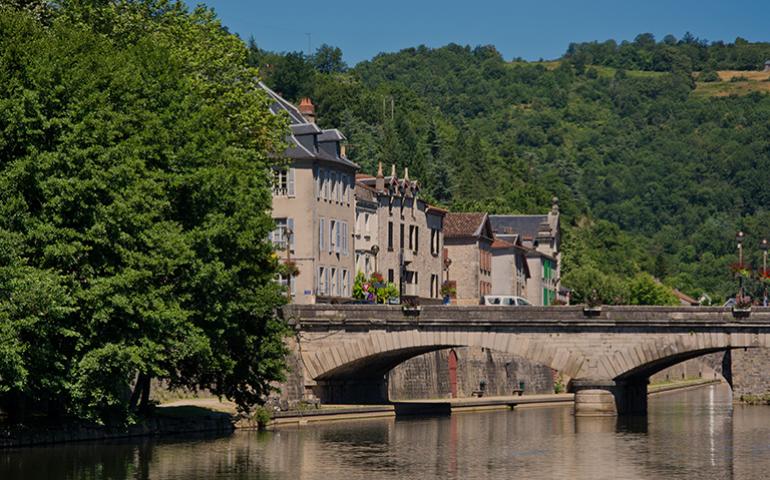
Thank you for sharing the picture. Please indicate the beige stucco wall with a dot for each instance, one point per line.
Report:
(306, 210)
(423, 261)
(504, 271)
(365, 237)
(535, 284)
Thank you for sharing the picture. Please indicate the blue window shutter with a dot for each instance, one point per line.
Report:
(290, 182)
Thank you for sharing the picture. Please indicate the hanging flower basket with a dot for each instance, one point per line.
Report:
(291, 268)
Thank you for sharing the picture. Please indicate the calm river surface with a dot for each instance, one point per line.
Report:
(695, 434)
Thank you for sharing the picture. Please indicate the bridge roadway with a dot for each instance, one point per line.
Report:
(345, 351)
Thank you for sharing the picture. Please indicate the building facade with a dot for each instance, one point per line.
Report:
(510, 269)
(314, 206)
(468, 239)
(366, 232)
(410, 235)
(541, 236)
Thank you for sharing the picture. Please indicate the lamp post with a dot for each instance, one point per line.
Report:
(290, 275)
(739, 240)
(447, 263)
(375, 250)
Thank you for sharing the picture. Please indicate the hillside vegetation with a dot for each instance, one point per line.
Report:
(655, 172)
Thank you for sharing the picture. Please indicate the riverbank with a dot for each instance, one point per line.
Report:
(164, 421)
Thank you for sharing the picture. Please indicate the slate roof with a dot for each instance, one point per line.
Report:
(465, 224)
(524, 225)
(300, 126)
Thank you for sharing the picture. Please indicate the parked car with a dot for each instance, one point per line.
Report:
(509, 300)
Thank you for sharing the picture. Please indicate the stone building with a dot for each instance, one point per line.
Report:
(410, 235)
(468, 238)
(541, 235)
(366, 229)
(510, 269)
(314, 206)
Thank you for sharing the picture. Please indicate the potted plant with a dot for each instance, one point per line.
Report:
(411, 306)
(593, 305)
(448, 291)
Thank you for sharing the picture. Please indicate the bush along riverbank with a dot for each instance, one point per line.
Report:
(162, 421)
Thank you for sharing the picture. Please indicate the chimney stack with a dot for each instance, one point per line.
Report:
(380, 182)
(307, 109)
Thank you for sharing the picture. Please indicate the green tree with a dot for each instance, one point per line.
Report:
(134, 180)
(328, 59)
(644, 290)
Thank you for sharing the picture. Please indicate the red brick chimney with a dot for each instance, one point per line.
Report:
(307, 109)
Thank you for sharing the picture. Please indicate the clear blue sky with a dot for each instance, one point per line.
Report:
(530, 29)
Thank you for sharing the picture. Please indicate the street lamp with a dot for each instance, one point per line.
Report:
(447, 263)
(764, 246)
(375, 250)
(739, 239)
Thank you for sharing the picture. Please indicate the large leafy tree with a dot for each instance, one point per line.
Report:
(135, 151)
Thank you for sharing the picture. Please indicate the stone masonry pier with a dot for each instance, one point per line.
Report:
(345, 351)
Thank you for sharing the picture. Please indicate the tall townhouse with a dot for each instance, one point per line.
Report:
(410, 236)
(468, 239)
(314, 206)
(510, 269)
(366, 228)
(541, 235)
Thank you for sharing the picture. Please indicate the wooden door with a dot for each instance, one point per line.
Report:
(453, 373)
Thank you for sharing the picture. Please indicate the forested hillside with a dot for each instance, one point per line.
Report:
(652, 177)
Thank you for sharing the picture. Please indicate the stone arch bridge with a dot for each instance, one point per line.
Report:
(344, 352)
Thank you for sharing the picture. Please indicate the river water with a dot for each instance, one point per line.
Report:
(697, 434)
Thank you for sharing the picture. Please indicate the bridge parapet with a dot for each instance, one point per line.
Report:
(653, 316)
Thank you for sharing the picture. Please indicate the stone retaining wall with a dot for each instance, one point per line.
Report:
(427, 376)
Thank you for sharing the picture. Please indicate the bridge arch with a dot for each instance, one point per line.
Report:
(640, 361)
(367, 359)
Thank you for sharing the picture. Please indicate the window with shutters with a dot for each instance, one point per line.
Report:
(317, 172)
(338, 238)
(335, 284)
(345, 284)
(280, 235)
(283, 182)
(321, 287)
(332, 236)
(390, 236)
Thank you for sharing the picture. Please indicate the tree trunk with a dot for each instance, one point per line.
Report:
(145, 380)
(135, 394)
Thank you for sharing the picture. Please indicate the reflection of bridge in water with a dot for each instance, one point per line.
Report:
(347, 350)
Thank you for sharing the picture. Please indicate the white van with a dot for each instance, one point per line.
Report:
(508, 300)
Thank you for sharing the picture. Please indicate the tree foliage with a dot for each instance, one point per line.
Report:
(134, 191)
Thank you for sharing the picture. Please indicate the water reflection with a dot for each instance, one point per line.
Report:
(686, 435)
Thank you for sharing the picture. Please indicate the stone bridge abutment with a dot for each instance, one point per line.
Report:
(346, 351)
